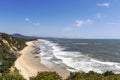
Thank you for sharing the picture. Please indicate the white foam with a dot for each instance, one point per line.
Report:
(74, 61)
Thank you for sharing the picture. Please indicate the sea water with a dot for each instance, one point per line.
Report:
(98, 55)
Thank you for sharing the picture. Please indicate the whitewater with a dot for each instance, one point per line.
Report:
(52, 53)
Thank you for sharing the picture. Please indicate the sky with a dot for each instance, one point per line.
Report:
(61, 18)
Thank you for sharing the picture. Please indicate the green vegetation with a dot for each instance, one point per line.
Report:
(47, 76)
(8, 51)
(53, 76)
(93, 76)
(12, 75)
(16, 42)
(108, 75)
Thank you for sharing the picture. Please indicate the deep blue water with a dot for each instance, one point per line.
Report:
(103, 49)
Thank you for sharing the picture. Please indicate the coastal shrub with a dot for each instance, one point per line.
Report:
(108, 75)
(7, 76)
(84, 76)
(8, 56)
(47, 76)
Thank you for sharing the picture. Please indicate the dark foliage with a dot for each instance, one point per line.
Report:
(47, 76)
(93, 76)
(11, 76)
(8, 51)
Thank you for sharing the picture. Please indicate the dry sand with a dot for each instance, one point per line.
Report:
(29, 65)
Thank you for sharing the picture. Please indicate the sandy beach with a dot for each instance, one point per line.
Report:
(29, 65)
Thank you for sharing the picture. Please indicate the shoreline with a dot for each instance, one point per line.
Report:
(29, 64)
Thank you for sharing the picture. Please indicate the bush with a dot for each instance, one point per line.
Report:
(47, 76)
(11, 77)
(108, 75)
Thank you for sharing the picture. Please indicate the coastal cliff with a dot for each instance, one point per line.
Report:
(9, 47)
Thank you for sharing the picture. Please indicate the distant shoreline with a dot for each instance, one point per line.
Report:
(29, 64)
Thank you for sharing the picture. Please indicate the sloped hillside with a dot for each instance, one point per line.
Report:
(8, 50)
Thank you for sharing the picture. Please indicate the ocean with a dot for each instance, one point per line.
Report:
(98, 55)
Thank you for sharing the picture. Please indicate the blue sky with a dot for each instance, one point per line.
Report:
(61, 18)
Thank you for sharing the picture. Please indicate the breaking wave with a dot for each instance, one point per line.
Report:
(52, 54)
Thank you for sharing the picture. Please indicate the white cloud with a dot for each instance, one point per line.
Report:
(107, 5)
(36, 23)
(80, 23)
(27, 19)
